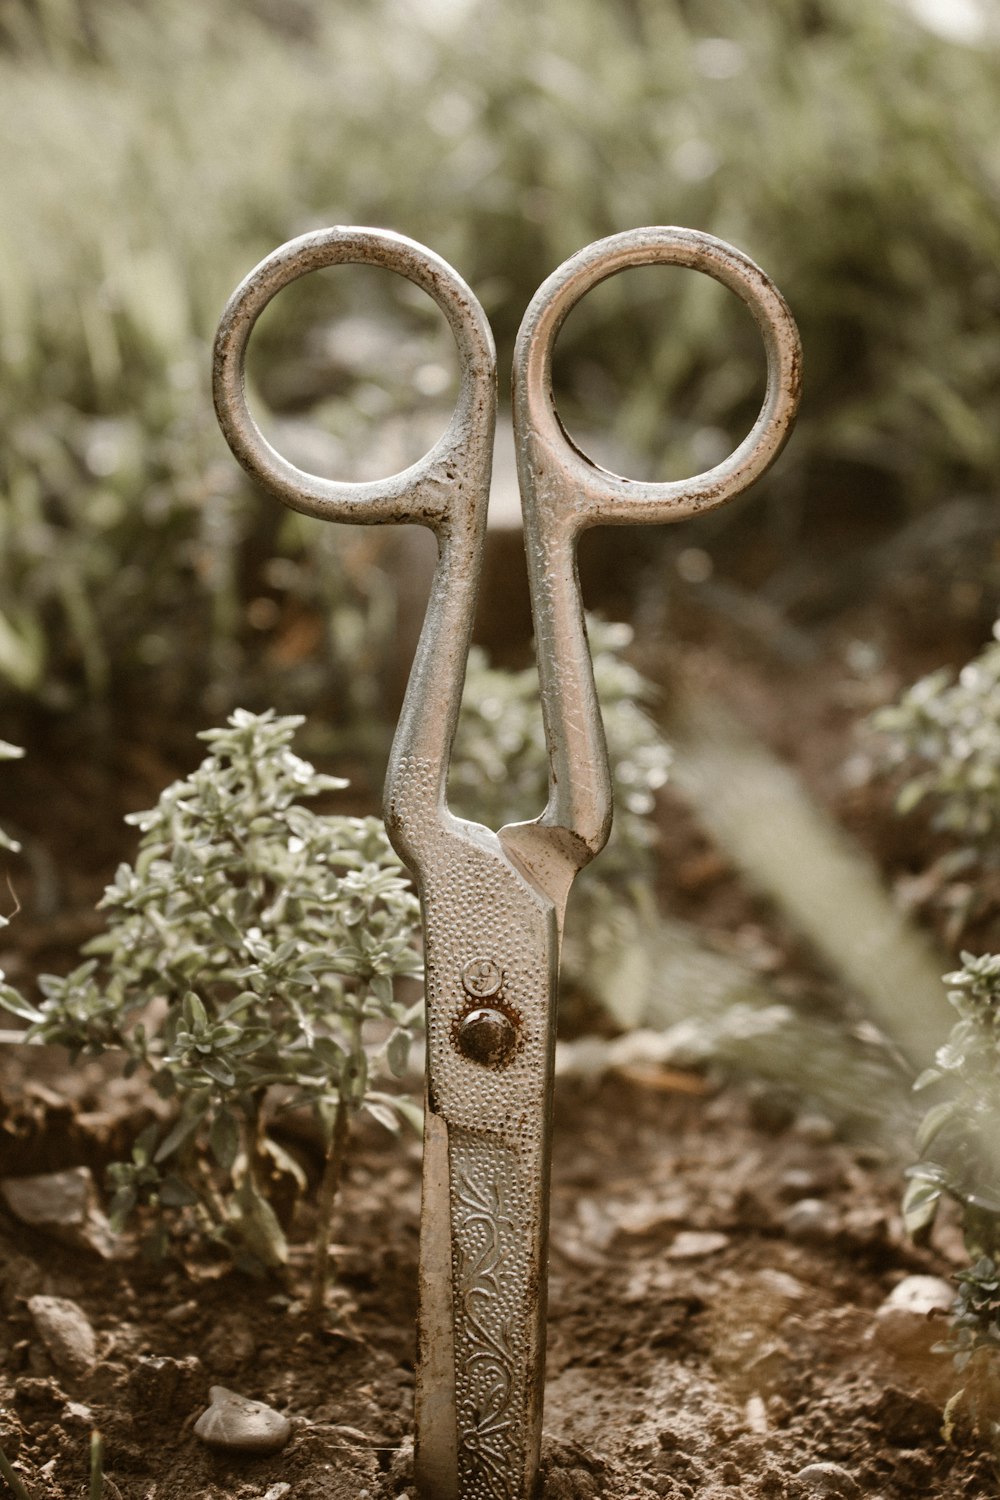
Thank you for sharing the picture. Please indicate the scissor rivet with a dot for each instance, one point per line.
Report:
(481, 978)
(487, 1036)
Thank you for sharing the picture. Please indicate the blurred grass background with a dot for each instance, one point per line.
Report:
(153, 153)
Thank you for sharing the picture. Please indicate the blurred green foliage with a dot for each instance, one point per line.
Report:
(944, 732)
(153, 153)
(957, 1147)
(249, 966)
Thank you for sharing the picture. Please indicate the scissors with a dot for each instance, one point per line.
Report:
(493, 902)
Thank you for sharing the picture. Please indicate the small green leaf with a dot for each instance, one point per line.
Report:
(257, 1225)
(933, 1122)
(181, 1132)
(920, 1206)
(397, 1052)
(176, 1193)
(382, 1113)
(218, 1070)
(144, 1145)
(122, 1204)
(194, 1012)
(224, 1139)
(11, 1001)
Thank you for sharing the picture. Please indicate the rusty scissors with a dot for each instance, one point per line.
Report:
(493, 902)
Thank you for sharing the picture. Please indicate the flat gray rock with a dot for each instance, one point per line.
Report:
(62, 1204)
(693, 1244)
(829, 1479)
(66, 1332)
(810, 1219)
(235, 1424)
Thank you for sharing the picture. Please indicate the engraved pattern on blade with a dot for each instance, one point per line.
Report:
(498, 1133)
(495, 1212)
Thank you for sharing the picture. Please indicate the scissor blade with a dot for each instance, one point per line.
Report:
(491, 949)
(486, 1447)
(436, 1456)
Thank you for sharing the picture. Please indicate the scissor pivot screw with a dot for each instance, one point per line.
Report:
(487, 1036)
(481, 978)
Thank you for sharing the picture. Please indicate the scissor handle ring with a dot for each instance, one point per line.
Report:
(599, 497)
(423, 492)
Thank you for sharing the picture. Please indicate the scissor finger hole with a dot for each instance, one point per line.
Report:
(658, 372)
(353, 371)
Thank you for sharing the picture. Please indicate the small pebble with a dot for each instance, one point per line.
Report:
(62, 1204)
(692, 1244)
(829, 1480)
(816, 1129)
(921, 1294)
(75, 1417)
(810, 1219)
(904, 1323)
(66, 1332)
(796, 1183)
(755, 1415)
(235, 1424)
(184, 1312)
(778, 1285)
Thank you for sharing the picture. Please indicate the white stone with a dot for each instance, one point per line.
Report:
(235, 1424)
(810, 1219)
(692, 1244)
(905, 1322)
(63, 1204)
(921, 1294)
(66, 1332)
(829, 1479)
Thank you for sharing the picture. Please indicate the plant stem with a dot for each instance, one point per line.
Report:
(333, 1169)
(96, 1465)
(16, 1486)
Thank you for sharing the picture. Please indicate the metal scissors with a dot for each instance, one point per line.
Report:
(493, 902)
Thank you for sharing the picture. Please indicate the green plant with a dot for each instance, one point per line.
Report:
(940, 742)
(957, 1142)
(96, 1490)
(944, 735)
(250, 966)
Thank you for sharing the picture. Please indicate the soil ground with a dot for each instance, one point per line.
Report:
(708, 1336)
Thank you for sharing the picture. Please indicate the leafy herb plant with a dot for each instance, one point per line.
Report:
(941, 739)
(957, 1144)
(945, 733)
(250, 965)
